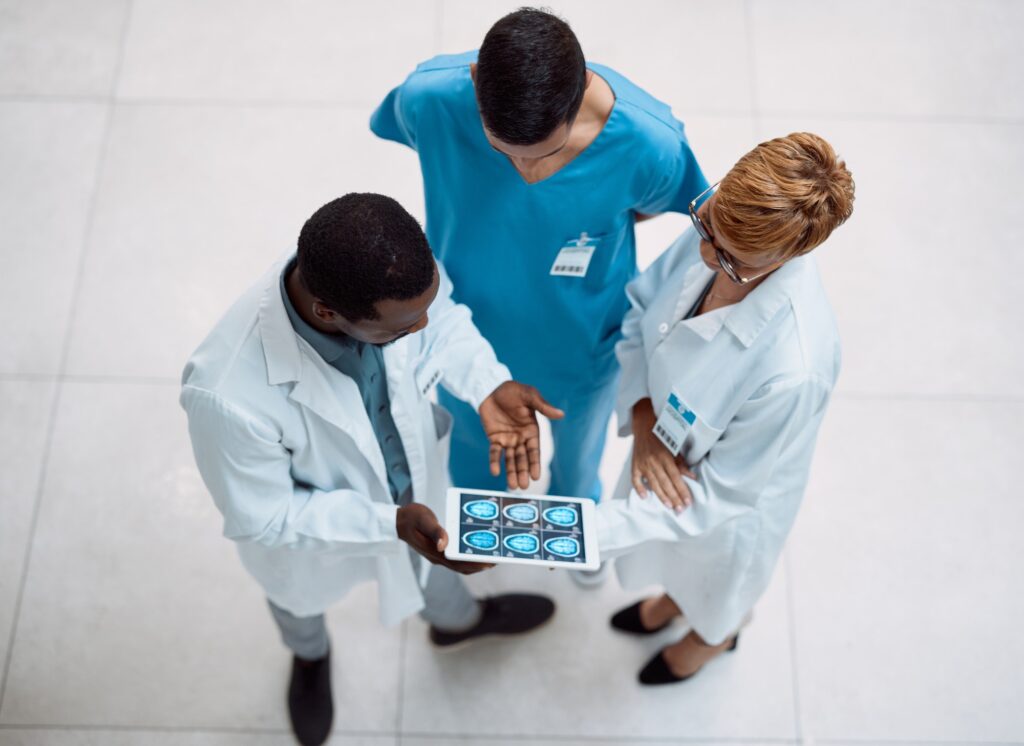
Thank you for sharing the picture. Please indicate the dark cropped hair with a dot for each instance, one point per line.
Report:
(530, 76)
(360, 249)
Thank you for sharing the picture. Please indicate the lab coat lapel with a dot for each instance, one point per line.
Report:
(396, 363)
(324, 391)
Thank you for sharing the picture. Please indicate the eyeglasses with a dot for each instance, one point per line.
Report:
(724, 260)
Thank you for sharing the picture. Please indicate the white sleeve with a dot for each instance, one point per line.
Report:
(470, 369)
(629, 350)
(763, 455)
(248, 472)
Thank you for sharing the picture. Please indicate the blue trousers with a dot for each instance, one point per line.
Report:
(578, 444)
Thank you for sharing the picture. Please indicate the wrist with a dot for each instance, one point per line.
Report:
(643, 416)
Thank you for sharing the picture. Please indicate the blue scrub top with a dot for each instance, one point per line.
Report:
(498, 236)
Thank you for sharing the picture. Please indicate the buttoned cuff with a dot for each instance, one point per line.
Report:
(387, 518)
(485, 384)
(630, 392)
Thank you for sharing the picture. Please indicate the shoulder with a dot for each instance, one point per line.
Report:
(439, 78)
(645, 114)
(230, 363)
(806, 345)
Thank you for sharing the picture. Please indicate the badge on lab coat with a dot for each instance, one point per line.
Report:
(574, 258)
(673, 422)
(427, 375)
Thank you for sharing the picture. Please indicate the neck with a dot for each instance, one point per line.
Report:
(725, 289)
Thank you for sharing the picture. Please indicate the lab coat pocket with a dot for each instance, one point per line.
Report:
(443, 422)
(698, 437)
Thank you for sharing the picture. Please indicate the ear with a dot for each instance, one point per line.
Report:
(324, 313)
(472, 72)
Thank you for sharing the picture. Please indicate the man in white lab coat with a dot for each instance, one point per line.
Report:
(313, 427)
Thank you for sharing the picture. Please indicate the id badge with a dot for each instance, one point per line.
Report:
(427, 376)
(574, 258)
(673, 422)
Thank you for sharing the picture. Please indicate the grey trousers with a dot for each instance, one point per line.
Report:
(449, 606)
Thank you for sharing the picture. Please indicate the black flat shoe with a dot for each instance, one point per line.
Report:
(310, 704)
(657, 670)
(628, 620)
(509, 614)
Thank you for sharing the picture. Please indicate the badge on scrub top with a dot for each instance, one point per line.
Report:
(673, 422)
(574, 258)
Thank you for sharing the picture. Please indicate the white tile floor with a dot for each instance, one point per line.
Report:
(156, 156)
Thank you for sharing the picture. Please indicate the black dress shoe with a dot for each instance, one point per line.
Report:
(310, 705)
(657, 670)
(509, 614)
(628, 620)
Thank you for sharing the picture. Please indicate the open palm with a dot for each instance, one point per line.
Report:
(509, 418)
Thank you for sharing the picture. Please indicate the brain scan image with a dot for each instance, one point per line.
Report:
(562, 546)
(522, 544)
(562, 516)
(521, 512)
(522, 527)
(483, 510)
(483, 540)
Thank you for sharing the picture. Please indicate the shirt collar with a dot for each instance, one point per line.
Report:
(329, 346)
(750, 316)
(706, 325)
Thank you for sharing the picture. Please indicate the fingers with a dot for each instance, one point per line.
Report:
(541, 405)
(665, 478)
(510, 468)
(638, 483)
(533, 459)
(465, 568)
(442, 542)
(495, 454)
(664, 488)
(522, 467)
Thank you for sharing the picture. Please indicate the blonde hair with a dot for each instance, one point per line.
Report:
(784, 197)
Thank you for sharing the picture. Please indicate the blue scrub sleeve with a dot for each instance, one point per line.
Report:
(390, 122)
(676, 180)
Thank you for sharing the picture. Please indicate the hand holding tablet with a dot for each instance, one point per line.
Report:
(418, 527)
(542, 530)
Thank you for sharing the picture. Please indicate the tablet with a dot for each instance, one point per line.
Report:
(542, 530)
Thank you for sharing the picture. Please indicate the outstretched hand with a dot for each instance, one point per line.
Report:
(509, 417)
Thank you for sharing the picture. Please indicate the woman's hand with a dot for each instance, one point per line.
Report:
(654, 466)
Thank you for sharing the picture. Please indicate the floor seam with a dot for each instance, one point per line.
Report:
(101, 157)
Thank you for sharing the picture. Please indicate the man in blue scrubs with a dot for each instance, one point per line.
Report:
(536, 166)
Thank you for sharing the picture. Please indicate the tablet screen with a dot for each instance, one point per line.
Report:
(521, 527)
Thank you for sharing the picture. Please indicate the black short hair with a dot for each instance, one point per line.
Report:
(360, 249)
(530, 76)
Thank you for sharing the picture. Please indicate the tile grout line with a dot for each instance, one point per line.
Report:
(26, 555)
(400, 708)
(911, 396)
(240, 730)
(755, 109)
(794, 660)
(101, 158)
(575, 739)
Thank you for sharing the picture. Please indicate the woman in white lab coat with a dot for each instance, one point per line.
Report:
(729, 355)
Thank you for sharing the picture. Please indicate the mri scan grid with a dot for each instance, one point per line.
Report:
(498, 525)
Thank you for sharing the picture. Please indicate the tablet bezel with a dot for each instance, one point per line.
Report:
(453, 512)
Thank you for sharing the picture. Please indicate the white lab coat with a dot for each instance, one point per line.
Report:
(284, 445)
(758, 376)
